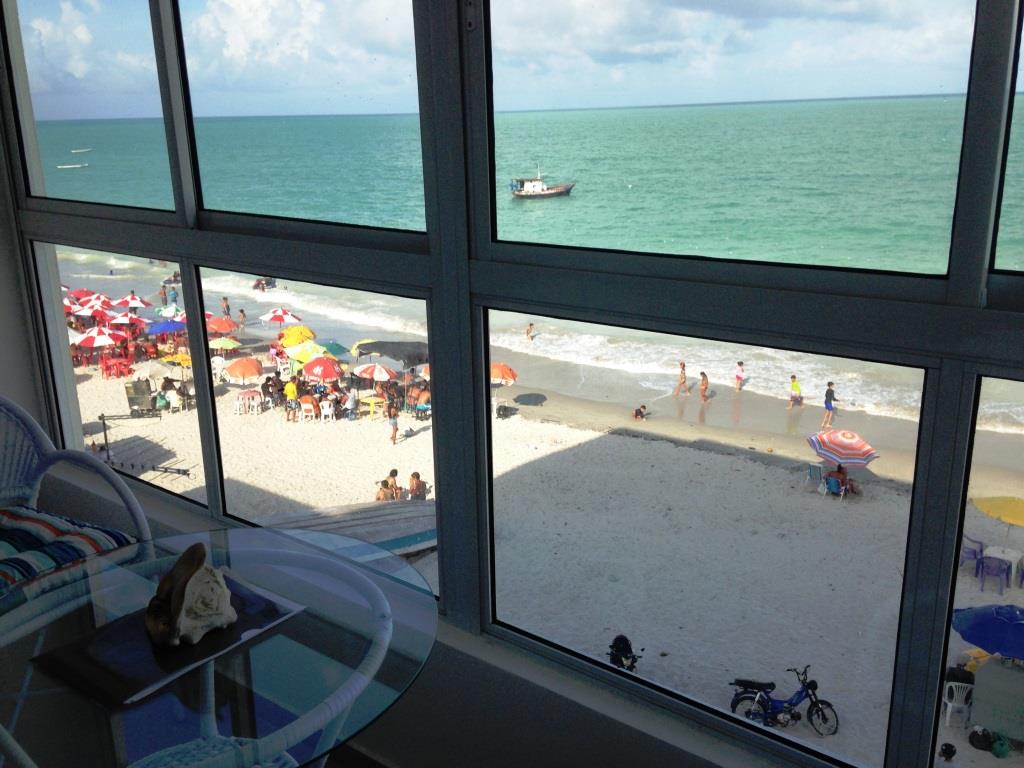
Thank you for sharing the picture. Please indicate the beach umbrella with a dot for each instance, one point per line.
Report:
(334, 348)
(244, 368)
(80, 294)
(222, 324)
(994, 628)
(152, 369)
(181, 358)
(323, 369)
(424, 372)
(841, 446)
(132, 302)
(374, 371)
(503, 374)
(357, 348)
(96, 300)
(127, 318)
(280, 315)
(74, 336)
(171, 310)
(1009, 509)
(409, 353)
(225, 342)
(295, 334)
(70, 305)
(306, 351)
(101, 337)
(167, 326)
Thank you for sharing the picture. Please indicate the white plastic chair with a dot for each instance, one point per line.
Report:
(957, 696)
(307, 411)
(326, 411)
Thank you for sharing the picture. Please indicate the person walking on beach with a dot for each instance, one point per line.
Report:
(163, 295)
(830, 401)
(241, 319)
(174, 295)
(529, 332)
(704, 384)
(795, 398)
(225, 306)
(740, 375)
(681, 386)
(393, 422)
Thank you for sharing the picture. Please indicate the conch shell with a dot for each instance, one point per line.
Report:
(190, 600)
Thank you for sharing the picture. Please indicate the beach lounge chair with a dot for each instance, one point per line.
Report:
(835, 488)
(993, 566)
(814, 474)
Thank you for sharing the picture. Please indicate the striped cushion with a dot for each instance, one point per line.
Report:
(33, 543)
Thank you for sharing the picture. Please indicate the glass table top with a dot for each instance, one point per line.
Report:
(364, 625)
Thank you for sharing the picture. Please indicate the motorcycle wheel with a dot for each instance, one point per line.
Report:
(745, 705)
(823, 718)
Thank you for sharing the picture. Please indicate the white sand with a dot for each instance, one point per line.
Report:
(719, 563)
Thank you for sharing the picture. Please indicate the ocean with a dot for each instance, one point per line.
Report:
(861, 183)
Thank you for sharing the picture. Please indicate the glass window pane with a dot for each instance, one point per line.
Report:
(1010, 244)
(984, 679)
(307, 110)
(291, 453)
(131, 365)
(695, 527)
(92, 118)
(820, 134)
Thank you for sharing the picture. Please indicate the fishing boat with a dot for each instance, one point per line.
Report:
(80, 151)
(74, 165)
(536, 187)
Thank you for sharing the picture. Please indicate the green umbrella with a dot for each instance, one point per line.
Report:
(335, 348)
(225, 342)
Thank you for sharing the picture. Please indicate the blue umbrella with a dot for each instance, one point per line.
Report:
(167, 326)
(994, 628)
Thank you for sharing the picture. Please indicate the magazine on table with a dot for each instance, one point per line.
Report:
(119, 665)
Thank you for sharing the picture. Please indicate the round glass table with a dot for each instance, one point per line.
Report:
(330, 632)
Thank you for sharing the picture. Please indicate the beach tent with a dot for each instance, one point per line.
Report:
(408, 353)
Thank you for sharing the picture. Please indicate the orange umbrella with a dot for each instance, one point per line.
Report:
(244, 368)
(221, 325)
(502, 373)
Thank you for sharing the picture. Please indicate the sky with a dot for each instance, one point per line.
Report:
(95, 59)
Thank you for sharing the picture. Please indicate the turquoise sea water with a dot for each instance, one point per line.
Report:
(859, 182)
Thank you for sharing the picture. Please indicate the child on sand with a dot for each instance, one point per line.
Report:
(393, 422)
(392, 484)
(704, 384)
(795, 398)
(384, 493)
(640, 414)
(529, 332)
(830, 401)
(740, 375)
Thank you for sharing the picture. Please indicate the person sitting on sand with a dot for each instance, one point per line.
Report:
(392, 481)
(840, 474)
(267, 390)
(417, 488)
(640, 414)
(310, 400)
(384, 493)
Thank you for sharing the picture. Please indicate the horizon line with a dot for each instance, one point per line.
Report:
(741, 102)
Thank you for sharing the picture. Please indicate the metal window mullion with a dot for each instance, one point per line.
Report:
(940, 479)
(986, 124)
(437, 30)
(175, 110)
(202, 380)
(18, 105)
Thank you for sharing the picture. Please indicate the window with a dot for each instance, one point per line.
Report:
(323, 409)
(983, 672)
(785, 133)
(307, 110)
(667, 488)
(1010, 245)
(130, 361)
(91, 113)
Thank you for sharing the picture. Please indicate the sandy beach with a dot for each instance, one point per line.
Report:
(693, 532)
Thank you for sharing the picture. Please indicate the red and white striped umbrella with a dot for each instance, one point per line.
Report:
(126, 318)
(101, 337)
(101, 315)
(95, 299)
(80, 293)
(841, 446)
(323, 369)
(70, 305)
(280, 315)
(132, 301)
(374, 371)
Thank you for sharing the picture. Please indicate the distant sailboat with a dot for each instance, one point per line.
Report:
(77, 151)
(74, 165)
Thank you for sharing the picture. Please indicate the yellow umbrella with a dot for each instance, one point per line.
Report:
(354, 349)
(306, 351)
(182, 359)
(1009, 509)
(296, 334)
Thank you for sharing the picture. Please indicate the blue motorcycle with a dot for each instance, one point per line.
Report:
(753, 701)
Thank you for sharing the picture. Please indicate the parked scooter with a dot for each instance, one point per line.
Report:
(753, 701)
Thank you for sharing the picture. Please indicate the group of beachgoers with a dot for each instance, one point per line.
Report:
(389, 489)
(739, 378)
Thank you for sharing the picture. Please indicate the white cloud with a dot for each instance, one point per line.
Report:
(63, 45)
